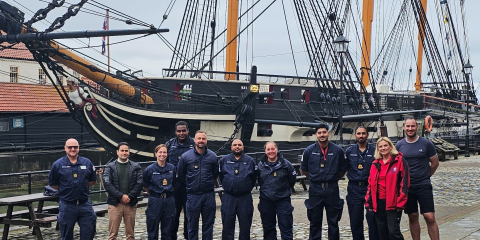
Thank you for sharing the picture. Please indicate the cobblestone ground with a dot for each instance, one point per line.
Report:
(456, 189)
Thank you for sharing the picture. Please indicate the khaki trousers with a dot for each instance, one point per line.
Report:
(115, 215)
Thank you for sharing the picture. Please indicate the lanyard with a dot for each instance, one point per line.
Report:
(324, 153)
(362, 155)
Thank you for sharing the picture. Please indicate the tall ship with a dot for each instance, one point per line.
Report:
(359, 68)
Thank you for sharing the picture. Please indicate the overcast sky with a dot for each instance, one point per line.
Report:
(150, 54)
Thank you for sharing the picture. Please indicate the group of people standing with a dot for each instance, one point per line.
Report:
(384, 179)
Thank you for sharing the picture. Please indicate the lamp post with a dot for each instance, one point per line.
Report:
(467, 69)
(341, 47)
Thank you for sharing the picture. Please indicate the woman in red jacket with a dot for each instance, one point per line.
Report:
(387, 189)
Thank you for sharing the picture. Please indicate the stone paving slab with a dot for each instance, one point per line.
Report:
(456, 187)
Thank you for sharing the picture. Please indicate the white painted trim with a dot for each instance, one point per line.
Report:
(124, 119)
(146, 154)
(159, 114)
(124, 130)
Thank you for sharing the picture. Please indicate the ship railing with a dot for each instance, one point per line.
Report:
(261, 78)
(31, 178)
(397, 102)
(181, 102)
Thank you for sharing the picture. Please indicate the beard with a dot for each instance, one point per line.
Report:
(239, 153)
(361, 141)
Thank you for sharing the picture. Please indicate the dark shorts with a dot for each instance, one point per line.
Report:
(420, 195)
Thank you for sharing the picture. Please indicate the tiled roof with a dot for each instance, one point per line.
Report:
(17, 51)
(21, 97)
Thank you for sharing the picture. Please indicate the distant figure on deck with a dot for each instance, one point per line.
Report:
(237, 173)
(78, 96)
(123, 181)
(72, 176)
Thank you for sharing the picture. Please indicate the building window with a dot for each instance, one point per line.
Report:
(3, 126)
(14, 74)
(42, 77)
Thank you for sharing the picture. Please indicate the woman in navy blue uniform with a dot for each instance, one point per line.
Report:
(276, 177)
(159, 179)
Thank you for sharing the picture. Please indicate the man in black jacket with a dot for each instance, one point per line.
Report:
(123, 181)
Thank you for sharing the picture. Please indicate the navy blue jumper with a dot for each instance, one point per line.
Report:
(199, 171)
(324, 172)
(73, 193)
(160, 182)
(276, 181)
(359, 164)
(175, 151)
(238, 178)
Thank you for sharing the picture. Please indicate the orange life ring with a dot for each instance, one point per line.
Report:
(428, 123)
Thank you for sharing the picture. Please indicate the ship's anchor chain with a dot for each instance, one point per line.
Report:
(238, 124)
(72, 11)
(43, 12)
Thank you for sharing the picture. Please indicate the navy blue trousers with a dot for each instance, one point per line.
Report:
(356, 209)
(270, 211)
(320, 198)
(233, 207)
(201, 204)
(160, 211)
(180, 195)
(69, 214)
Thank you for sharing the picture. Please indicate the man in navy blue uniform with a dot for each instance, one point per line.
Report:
(360, 157)
(72, 176)
(237, 173)
(324, 164)
(422, 159)
(176, 147)
(199, 169)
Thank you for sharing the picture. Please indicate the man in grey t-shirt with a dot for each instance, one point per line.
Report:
(422, 161)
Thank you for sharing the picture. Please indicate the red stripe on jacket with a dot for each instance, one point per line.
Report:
(397, 184)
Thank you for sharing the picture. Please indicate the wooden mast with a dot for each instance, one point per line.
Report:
(421, 34)
(232, 26)
(108, 39)
(367, 18)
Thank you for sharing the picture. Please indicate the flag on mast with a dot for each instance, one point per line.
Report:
(105, 27)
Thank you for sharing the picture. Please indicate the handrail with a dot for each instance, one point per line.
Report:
(452, 101)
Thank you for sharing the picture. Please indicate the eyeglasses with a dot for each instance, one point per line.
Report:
(70, 147)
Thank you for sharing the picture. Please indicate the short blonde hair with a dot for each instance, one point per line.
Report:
(393, 151)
